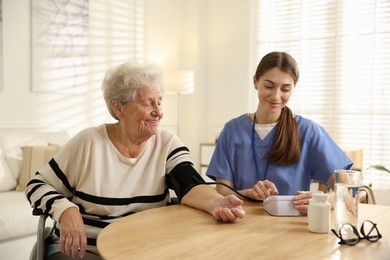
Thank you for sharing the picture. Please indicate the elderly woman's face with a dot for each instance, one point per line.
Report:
(144, 113)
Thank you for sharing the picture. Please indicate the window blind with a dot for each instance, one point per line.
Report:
(343, 52)
(116, 35)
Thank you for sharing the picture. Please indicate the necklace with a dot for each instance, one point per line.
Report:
(254, 152)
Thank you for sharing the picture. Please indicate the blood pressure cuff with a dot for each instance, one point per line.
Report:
(182, 179)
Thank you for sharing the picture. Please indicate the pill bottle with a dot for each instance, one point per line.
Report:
(318, 213)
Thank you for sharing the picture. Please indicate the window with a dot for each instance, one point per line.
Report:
(343, 51)
(116, 32)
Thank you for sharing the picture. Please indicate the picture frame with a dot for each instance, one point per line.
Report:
(59, 46)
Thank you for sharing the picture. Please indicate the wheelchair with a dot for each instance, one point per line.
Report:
(43, 236)
(44, 233)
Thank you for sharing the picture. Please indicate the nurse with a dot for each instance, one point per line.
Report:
(273, 151)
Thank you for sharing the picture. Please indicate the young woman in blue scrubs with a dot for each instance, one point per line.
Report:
(272, 151)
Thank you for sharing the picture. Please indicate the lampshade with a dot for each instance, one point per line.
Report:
(179, 81)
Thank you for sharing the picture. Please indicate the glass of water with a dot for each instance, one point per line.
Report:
(346, 193)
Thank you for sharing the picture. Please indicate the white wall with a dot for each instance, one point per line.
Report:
(227, 64)
(212, 37)
(21, 108)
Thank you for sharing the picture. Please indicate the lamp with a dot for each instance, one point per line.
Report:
(179, 82)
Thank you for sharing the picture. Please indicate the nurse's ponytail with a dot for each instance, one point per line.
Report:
(286, 148)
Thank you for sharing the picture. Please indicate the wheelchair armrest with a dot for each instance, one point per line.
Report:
(42, 233)
(41, 236)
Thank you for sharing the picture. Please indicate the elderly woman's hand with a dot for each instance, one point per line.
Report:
(228, 209)
(73, 239)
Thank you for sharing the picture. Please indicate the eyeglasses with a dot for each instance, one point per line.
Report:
(349, 235)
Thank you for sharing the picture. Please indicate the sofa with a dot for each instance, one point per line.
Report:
(22, 153)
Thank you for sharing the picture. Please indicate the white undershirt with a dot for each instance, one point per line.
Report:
(263, 129)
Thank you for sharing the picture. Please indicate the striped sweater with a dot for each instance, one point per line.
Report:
(91, 174)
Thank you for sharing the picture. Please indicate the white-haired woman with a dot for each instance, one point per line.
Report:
(113, 170)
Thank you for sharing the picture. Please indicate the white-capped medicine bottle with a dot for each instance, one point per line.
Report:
(318, 213)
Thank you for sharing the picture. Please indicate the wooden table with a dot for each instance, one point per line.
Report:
(181, 232)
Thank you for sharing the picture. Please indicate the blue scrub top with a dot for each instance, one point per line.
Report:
(233, 157)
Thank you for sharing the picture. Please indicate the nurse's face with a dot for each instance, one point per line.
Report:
(274, 89)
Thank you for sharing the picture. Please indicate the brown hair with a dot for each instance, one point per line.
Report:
(286, 148)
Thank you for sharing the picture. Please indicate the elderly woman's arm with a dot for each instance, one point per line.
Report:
(192, 191)
(204, 197)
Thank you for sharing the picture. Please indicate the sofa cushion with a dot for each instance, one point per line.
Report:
(34, 158)
(14, 158)
(16, 219)
(7, 179)
(11, 142)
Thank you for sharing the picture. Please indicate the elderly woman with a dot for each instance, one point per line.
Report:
(113, 170)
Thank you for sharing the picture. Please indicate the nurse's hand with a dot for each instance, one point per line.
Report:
(301, 201)
(262, 190)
